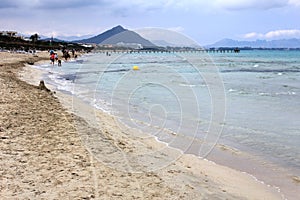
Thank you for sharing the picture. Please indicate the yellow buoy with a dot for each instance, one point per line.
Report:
(135, 67)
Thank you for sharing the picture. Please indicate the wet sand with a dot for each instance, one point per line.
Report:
(54, 150)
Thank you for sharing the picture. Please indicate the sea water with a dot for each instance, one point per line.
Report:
(248, 100)
(263, 93)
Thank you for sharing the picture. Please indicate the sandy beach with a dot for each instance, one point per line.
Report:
(49, 150)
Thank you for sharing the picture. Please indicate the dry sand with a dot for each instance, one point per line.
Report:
(51, 149)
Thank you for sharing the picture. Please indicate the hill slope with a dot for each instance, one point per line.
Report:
(117, 35)
(128, 37)
(103, 36)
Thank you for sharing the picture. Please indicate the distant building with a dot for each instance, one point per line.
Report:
(8, 33)
(130, 45)
(87, 45)
(106, 45)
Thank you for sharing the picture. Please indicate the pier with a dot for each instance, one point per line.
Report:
(148, 51)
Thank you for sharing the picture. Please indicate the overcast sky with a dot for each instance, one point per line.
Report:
(205, 21)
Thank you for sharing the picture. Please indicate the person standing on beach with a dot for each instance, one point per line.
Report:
(56, 56)
(52, 58)
(59, 62)
(66, 55)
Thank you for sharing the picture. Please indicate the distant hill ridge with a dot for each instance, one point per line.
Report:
(103, 36)
(117, 35)
(282, 43)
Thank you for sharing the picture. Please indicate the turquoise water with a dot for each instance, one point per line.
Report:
(249, 101)
(263, 93)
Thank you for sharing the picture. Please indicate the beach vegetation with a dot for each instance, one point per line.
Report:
(34, 38)
(17, 43)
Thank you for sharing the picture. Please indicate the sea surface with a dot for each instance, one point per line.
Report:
(249, 101)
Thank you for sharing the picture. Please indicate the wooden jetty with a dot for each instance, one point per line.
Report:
(146, 51)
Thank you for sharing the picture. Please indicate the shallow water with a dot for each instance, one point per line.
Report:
(249, 101)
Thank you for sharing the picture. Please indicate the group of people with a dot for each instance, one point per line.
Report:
(54, 57)
(66, 54)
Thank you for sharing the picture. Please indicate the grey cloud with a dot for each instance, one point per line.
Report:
(126, 8)
(252, 4)
(50, 4)
(59, 4)
(9, 4)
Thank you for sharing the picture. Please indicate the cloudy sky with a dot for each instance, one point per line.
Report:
(205, 21)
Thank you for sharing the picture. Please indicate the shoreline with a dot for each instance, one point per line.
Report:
(184, 178)
(264, 170)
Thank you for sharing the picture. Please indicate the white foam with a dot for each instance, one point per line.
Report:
(187, 85)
